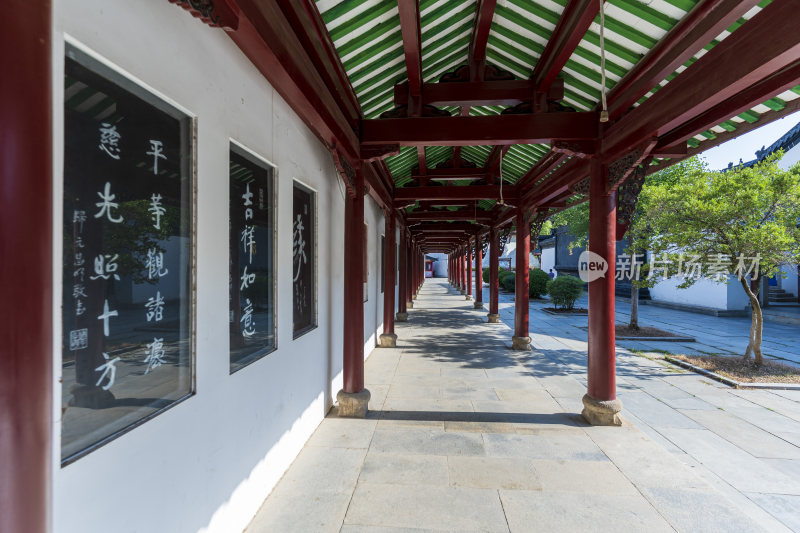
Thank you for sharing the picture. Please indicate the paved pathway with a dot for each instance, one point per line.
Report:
(745, 443)
(465, 435)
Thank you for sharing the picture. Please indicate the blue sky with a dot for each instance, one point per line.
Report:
(745, 146)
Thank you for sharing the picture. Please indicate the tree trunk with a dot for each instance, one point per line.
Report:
(756, 325)
(634, 323)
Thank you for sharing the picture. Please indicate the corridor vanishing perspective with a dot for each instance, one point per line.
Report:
(465, 434)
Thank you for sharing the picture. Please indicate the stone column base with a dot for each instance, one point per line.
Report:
(493, 318)
(388, 340)
(601, 413)
(522, 344)
(478, 305)
(468, 297)
(410, 304)
(353, 404)
(401, 317)
(463, 291)
(414, 296)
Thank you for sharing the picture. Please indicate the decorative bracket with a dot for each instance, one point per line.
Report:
(628, 196)
(582, 187)
(346, 171)
(538, 220)
(583, 149)
(216, 13)
(621, 169)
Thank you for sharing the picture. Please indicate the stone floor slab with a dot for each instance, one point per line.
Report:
(566, 512)
(493, 473)
(443, 508)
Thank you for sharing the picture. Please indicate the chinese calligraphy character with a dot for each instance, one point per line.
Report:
(155, 264)
(109, 140)
(78, 291)
(105, 316)
(249, 241)
(659, 266)
(752, 270)
(105, 266)
(718, 267)
(79, 273)
(79, 308)
(248, 200)
(79, 241)
(247, 279)
(298, 246)
(107, 204)
(694, 269)
(79, 260)
(79, 217)
(155, 354)
(109, 369)
(248, 326)
(628, 267)
(156, 210)
(156, 148)
(155, 307)
(78, 339)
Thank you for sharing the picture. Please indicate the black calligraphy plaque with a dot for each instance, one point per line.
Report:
(127, 273)
(303, 267)
(252, 259)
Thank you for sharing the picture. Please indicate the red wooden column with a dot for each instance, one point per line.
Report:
(402, 281)
(461, 272)
(469, 272)
(494, 271)
(478, 274)
(601, 406)
(450, 268)
(521, 339)
(26, 330)
(388, 339)
(409, 274)
(353, 398)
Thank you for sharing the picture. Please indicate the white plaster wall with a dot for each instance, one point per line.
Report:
(737, 298)
(790, 157)
(440, 266)
(704, 293)
(208, 463)
(549, 259)
(789, 283)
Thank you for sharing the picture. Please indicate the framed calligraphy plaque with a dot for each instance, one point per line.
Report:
(304, 259)
(252, 258)
(128, 254)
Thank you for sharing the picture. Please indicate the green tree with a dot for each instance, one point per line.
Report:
(640, 230)
(731, 216)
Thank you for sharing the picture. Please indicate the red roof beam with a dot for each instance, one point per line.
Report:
(470, 192)
(575, 21)
(266, 37)
(469, 93)
(762, 47)
(412, 49)
(699, 27)
(480, 130)
(484, 13)
(753, 95)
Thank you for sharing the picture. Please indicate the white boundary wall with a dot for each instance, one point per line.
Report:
(208, 463)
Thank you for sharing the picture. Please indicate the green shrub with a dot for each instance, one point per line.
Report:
(564, 290)
(508, 281)
(537, 284)
(486, 275)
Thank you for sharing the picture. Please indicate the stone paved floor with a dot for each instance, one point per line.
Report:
(745, 443)
(466, 435)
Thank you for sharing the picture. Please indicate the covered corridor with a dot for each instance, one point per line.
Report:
(464, 434)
